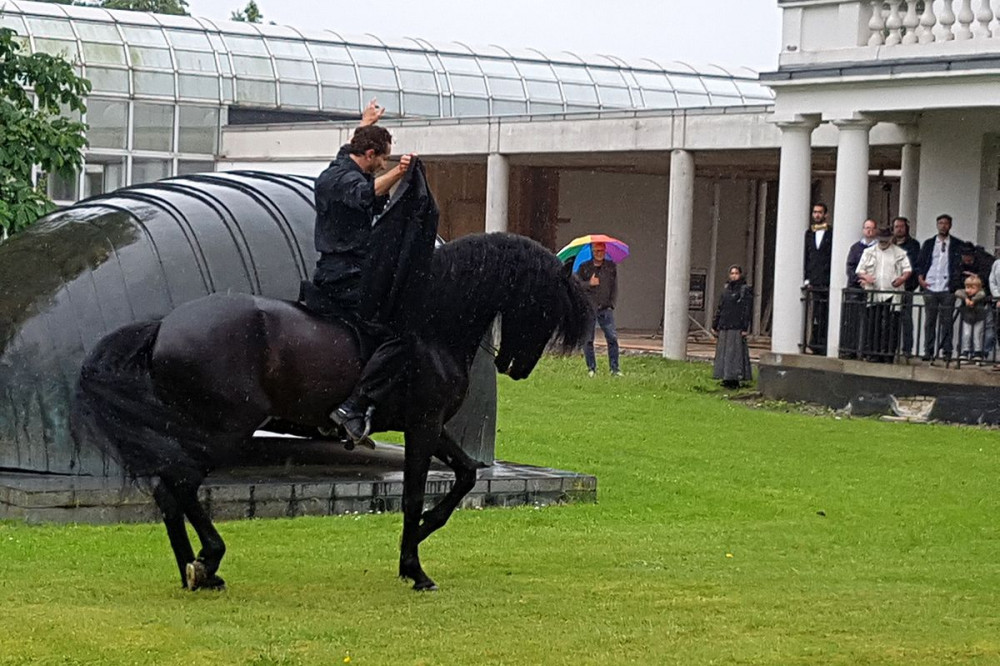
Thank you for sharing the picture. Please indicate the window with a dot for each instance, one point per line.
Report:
(149, 170)
(102, 174)
(108, 80)
(199, 129)
(108, 123)
(107, 54)
(153, 83)
(188, 167)
(153, 127)
(63, 187)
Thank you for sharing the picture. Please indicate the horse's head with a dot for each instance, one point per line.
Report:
(555, 314)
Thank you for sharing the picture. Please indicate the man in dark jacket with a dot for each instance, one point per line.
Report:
(852, 321)
(939, 274)
(348, 198)
(901, 237)
(601, 279)
(816, 276)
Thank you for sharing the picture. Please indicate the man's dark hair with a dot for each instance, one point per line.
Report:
(371, 137)
(943, 216)
(903, 220)
(821, 205)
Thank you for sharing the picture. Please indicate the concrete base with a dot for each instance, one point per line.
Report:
(302, 478)
(969, 394)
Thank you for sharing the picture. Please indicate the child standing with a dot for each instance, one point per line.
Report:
(972, 310)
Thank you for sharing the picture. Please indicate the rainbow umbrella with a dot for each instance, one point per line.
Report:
(580, 248)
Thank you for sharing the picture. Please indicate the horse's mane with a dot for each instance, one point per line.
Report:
(476, 277)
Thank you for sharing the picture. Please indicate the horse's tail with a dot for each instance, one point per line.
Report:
(116, 407)
(577, 313)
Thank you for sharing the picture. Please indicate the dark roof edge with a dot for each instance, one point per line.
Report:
(969, 63)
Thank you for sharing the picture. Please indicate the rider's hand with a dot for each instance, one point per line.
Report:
(372, 113)
(404, 162)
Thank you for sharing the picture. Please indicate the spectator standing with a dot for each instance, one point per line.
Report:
(902, 239)
(600, 277)
(883, 269)
(731, 324)
(852, 322)
(977, 261)
(972, 309)
(939, 274)
(816, 276)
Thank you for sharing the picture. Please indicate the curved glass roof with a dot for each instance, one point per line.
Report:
(179, 58)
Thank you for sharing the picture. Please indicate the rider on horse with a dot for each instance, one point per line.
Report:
(348, 199)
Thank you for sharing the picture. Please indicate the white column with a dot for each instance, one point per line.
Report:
(794, 180)
(850, 209)
(680, 223)
(908, 183)
(497, 192)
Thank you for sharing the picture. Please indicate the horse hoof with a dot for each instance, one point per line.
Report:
(425, 586)
(197, 575)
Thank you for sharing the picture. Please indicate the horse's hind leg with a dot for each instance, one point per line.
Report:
(173, 519)
(416, 461)
(451, 454)
(200, 572)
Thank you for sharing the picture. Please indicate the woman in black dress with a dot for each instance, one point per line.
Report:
(732, 325)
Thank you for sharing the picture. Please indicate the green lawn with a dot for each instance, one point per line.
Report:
(722, 535)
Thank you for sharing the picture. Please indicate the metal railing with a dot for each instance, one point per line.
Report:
(902, 327)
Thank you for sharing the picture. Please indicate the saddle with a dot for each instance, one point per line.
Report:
(321, 304)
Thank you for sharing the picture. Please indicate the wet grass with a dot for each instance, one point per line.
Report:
(723, 535)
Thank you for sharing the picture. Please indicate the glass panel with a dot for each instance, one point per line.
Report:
(609, 76)
(411, 60)
(443, 83)
(153, 127)
(727, 100)
(108, 80)
(288, 48)
(227, 90)
(417, 80)
(301, 70)
(50, 28)
(62, 187)
(103, 174)
(248, 66)
(458, 64)
(296, 94)
(574, 74)
(107, 123)
(15, 23)
(253, 46)
(196, 61)
(370, 56)
(256, 92)
(540, 108)
(499, 67)
(577, 93)
(617, 97)
(656, 81)
(507, 88)
(189, 39)
(57, 47)
(690, 99)
(153, 83)
(217, 43)
(147, 171)
(544, 90)
(200, 87)
(465, 106)
(144, 36)
(502, 107)
(722, 86)
(340, 98)
(224, 64)
(372, 76)
(536, 71)
(338, 74)
(143, 57)
(659, 99)
(188, 167)
(422, 105)
(468, 84)
(199, 130)
(687, 84)
(387, 98)
(98, 32)
(107, 54)
(335, 52)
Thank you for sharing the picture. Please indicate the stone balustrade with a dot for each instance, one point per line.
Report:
(896, 22)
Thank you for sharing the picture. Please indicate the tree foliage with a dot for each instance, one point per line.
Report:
(249, 14)
(31, 135)
(175, 7)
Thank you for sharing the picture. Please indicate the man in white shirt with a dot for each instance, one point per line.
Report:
(939, 274)
(883, 270)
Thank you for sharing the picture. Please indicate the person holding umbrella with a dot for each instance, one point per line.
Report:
(600, 276)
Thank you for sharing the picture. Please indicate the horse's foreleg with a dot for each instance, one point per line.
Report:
(201, 571)
(173, 519)
(417, 458)
(451, 454)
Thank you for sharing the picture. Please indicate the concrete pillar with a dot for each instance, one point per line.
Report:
(497, 192)
(680, 223)
(908, 184)
(850, 210)
(794, 182)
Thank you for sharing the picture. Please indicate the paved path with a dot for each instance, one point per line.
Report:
(649, 342)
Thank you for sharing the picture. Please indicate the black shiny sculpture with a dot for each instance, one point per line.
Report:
(136, 255)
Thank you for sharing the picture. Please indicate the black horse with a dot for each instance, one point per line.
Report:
(170, 399)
